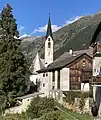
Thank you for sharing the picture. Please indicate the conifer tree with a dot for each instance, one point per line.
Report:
(13, 66)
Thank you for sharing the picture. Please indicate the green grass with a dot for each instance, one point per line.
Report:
(75, 116)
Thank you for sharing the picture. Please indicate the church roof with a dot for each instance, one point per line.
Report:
(49, 29)
(37, 64)
(65, 59)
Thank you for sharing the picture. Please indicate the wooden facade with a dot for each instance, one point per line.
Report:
(80, 72)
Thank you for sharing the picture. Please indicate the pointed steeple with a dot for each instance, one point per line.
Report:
(36, 65)
(49, 29)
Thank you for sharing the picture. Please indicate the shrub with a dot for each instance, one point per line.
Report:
(40, 106)
(70, 95)
(14, 117)
(55, 115)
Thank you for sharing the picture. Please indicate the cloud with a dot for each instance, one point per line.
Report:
(44, 29)
(73, 20)
(20, 29)
(24, 35)
(55, 27)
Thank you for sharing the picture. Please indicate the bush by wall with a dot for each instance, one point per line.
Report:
(40, 106)
(22, 116)
(71, 95)
(55, 115)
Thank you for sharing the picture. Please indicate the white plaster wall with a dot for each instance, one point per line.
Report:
(33, 78)
(56, 78)
(48, 51)
(64, 79)
(96, 65)
(84, 87)
(25, 103)
(50, 81)
(19, 109)
(47, 80)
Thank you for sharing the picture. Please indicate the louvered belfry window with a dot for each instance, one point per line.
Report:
(49, 45)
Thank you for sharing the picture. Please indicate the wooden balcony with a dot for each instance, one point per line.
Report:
(96, 80)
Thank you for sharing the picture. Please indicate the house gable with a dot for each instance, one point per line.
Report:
(79, 61)
(80, 72)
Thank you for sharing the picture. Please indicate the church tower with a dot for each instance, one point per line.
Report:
(49, 45)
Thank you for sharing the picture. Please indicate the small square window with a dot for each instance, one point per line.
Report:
(53, 87)
(48, 39)
(84, 62)
(46, 74)
(94, 70)
(43, 74)
(44, 85)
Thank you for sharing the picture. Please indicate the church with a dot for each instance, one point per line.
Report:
(70, 71)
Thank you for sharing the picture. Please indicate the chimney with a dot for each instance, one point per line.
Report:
(71, 51)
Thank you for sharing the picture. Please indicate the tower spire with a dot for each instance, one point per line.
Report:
(49, 29)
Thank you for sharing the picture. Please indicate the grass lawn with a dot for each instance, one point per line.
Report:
(68, 115)
(75, 116)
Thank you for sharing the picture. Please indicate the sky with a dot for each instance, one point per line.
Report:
(32, 15)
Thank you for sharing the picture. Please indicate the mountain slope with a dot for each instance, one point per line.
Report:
(73, 36)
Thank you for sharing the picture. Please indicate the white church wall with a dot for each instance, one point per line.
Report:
(33, 78)
(64, 78)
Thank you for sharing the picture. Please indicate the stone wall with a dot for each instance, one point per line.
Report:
(80, 105)
(21, 108)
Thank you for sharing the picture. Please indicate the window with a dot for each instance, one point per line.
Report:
(84, 62)
(79, 79)
(94, 70)
(46, 74)
(43, 74)
(49, 45)
(48, 39)
(44, 85)
(52, 87)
